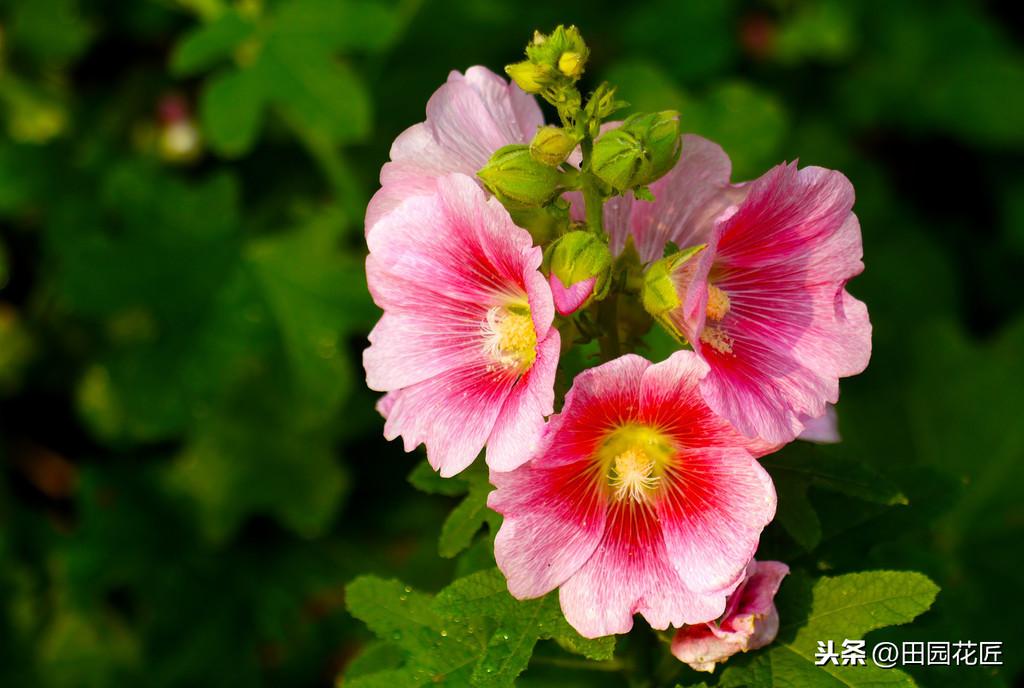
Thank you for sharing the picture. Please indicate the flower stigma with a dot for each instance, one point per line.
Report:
(510, 340)
(713, 334)
(634, 459)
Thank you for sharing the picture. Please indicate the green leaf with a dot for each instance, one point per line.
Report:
(210, 44)
(231, 110)
(439, 653)
(324, 97)
(801, 465)
(518, 626)
(839, 608)
(425, 479)
(466, 519)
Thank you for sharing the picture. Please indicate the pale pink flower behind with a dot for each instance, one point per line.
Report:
(468, 118)
(465, 348)
(750, 621)
(685, 200)
(639, 499)
(765, 304)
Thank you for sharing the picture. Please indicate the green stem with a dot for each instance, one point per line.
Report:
(592, 201)
(608, 319)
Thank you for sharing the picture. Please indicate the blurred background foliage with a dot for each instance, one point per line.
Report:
(192, 467)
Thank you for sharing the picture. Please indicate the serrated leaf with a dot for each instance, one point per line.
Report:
(439, 653)
(209, 44)
(465, 520)
(519, 625)
(838, 608)
(480, 594)
(425, 479)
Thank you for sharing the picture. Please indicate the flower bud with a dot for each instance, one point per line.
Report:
(571, 64)
(530, 77)
(563, 50)
(518, 180)
(663, 288)
(660, 135)
(552, 145)
(639, 152)
(617, 159)
(580, 257)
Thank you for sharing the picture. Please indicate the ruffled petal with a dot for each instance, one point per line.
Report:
(783, 258)
(823, 429)
(520, 425)
(630, 573)
(554, 519)
(468, 118)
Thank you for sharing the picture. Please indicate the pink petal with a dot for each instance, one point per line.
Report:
(823, 429)
(553, 522)
(569, 299)
(452, 414)
(630, 573)
(783, 257)
(427, 350)
(518, 429)
(468, 118)
(685, 201)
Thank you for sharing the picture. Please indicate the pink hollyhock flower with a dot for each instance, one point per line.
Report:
(638, 499)
(468, 118)
(465, 348)
(750, 621)
(821, 430)
(765, 302)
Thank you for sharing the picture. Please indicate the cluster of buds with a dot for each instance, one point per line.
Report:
(497, 243)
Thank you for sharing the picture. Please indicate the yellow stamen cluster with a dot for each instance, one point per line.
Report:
(634, 459)
(713, 334)
(632, 475)
(718, 303)
(510, 340)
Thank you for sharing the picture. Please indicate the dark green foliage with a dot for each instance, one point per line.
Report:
(193, 473)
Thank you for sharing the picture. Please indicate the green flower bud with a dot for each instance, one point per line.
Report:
(530, 77)
(661, 138)
(552, 145)
(639, 152)
(518, 180)
(661, 295)
(578, 256)
(562, 50)
(617, 159)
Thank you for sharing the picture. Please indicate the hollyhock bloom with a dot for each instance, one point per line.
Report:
(765, 303)
(750, 621)
(468, 118)
(465, 348)
(821, 430)
(638, 499)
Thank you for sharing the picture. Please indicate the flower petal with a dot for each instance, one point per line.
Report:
(554, 518)
(630, 573)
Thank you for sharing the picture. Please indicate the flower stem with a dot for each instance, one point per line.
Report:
(592, 201)
(608, 319)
